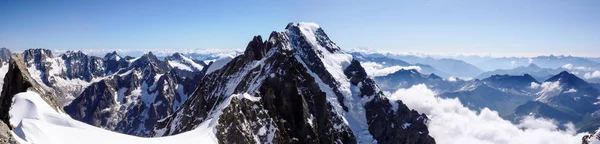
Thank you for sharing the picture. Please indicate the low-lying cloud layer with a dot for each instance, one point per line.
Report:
(592, 75)
(453, 123)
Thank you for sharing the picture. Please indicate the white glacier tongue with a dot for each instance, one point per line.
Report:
(38, 123)
(335, 62)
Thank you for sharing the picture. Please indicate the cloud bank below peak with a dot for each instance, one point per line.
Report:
(453, 123)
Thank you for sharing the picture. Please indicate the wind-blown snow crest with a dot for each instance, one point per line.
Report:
(453, 123)
(38, 123)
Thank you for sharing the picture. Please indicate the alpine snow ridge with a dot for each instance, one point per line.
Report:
(295, 87)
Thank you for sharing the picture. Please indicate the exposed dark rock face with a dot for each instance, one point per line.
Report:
(113, 63)
(132, 100)
(81, 66)
(288, 90)
(39, 59)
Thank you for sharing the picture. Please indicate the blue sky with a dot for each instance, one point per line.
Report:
(511, 28)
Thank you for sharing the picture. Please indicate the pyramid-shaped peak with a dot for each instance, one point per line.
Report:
(532, 65)
(568, 79)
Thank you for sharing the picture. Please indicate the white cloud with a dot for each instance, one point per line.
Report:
(582, 68)
(452, 79)
(534, 85)
(591, 75)
(374, 69)
(572, 90)
(452, 123)
(567, 66)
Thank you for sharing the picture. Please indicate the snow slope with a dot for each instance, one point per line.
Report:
(219, 63)
(3, 70)
(38, 123)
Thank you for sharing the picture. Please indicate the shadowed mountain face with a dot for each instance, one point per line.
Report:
(565, 98)
(535, 71)
(295, 87)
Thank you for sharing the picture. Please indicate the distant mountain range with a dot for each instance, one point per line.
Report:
(562, 96)
(444, 66)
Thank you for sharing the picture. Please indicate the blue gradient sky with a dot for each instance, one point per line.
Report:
(511, 28)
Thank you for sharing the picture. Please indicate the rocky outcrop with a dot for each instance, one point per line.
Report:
(5, 135)
(18, 80)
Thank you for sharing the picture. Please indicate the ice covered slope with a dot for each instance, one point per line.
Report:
(296, 87)
(38, 123)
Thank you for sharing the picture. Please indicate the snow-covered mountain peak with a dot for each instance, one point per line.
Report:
(313, 34)
(182, 62)
(297, 77)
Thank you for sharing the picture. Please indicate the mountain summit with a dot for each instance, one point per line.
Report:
(295, 87)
